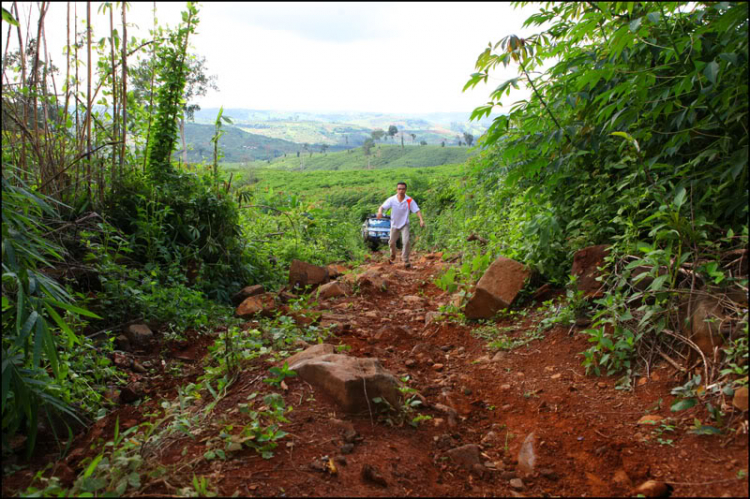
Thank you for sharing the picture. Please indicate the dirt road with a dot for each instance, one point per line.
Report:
(521, 422)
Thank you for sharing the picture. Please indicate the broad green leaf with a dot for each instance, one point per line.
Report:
(682, 404)
(711, 70)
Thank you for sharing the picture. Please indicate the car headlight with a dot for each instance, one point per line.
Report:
(373, 233)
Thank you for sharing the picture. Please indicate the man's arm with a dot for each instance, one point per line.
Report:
(380, 210)
(421, 220)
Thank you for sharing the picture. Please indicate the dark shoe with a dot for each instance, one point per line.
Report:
(407, 265)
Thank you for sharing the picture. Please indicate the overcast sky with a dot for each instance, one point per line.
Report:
(375, 57)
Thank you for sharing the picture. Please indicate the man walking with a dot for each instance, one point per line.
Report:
(401, 206)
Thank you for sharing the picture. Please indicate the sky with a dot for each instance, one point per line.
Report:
(356, 57)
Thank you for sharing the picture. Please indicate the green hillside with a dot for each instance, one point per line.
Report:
(236, 145)
(310, 132)
(357, 194)
(381, 156)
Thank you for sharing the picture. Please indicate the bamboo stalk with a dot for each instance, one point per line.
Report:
(88, 95)
(124, 87)
(115, 115)
(22, 57)
(75, 95)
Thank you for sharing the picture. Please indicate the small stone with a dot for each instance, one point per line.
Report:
(642, 381)
(556, 376)
(372, 475)
(506, 408)
(410, 363)
(340, 460)
(601, 384)
(653, 488)
(517, 484)
(131, 393)
(438, 367)
(467, 456)
(490, 438)
(520, 374)
(350, 436)
(549, 369)
(438, 422)
(445, 348)
(527, 455)
(499, 357)
(548, 474)
(347, 448)
(508, 475)
(505, 387)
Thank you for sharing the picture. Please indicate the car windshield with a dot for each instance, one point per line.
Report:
(382, 223)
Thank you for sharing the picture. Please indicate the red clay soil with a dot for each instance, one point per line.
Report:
(586, 435)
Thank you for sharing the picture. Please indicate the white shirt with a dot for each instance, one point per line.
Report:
(400, 210)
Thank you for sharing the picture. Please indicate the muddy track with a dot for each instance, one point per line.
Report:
(585, 434)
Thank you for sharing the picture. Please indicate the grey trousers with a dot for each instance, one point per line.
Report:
(405, 247)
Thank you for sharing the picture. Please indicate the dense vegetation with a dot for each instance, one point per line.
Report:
(635, 136)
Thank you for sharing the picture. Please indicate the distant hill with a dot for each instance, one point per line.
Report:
(238, 146)
(349, 129)
(382, 156)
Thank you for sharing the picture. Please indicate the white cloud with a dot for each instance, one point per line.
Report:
(378, 57)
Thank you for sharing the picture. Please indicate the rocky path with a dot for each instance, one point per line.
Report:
(518, 422)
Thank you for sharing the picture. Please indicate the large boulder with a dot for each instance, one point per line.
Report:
(246, 293)
(264, 304)
(310, 353)
(497, 288)
(585, 267)
(303, 274)
(352, 382)
(138, 334)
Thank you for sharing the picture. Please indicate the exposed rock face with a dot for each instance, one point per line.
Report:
(347, 379)
(331, 290)
(305, 274)
(138, 334)
(497, 288)
(585, 263)
(263, 304)
(247, 292)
